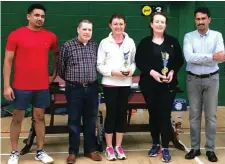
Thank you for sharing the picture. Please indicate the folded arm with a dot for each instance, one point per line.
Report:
(201, 58)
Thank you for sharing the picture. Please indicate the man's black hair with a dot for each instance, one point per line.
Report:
(36, 6)
(203, 10)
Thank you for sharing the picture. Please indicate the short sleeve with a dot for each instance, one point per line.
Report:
(11, 43)
(54, 45)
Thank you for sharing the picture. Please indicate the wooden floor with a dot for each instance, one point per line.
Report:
(136, 145)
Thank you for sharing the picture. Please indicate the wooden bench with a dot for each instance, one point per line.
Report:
(136, 101)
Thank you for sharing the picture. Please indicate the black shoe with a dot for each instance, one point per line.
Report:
(211, 156)
(192, 154)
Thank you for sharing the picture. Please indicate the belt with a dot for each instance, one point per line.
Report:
(85, 84)
(204, 75)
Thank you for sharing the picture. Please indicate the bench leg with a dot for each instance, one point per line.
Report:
(100, 133)
(30, 140)
(129, 115)
(52, 109)
(175, 141)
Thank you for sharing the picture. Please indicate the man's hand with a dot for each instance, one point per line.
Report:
(9, 94)
(51, 78)
(219, 56)
(170, 76)
(156, 75)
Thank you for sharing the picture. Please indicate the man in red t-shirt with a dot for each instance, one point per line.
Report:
(29, 47)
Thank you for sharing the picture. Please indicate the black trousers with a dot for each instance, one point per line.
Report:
(160, 103)
(116, 100)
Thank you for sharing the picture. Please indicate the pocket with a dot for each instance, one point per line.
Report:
(190, 77)
(214, 77)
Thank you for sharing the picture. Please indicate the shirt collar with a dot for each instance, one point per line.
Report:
(202, 35)
(111, 38)
(77, 40)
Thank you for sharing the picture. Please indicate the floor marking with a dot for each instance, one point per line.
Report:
(128, 134)
(216, 148)
(45, 137)
(201, 133)
(81, 152)
(133, 150)
(187, 150)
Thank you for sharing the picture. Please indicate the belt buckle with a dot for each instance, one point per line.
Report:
(85, 85)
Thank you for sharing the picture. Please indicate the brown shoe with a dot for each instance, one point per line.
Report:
(71, 159)
(94, 156)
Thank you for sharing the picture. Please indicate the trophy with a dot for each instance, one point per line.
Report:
(165, 58)
(124, 69)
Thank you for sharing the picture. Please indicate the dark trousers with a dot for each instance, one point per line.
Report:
(160, 105)
(82, 101)
(116, 100)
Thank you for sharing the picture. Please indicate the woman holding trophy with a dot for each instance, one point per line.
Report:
(159, 58)
(115, 62)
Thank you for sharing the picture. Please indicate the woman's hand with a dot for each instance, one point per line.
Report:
(156, 75)
(130, 73)
(170, 76)
(117, 73)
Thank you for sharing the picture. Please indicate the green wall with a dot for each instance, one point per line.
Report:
(63, 17)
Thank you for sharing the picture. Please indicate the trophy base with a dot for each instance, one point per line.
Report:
(164, 80)
(125, 73)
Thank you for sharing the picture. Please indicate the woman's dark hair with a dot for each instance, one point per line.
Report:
(158, 13)
(152, 19)
(119, 16)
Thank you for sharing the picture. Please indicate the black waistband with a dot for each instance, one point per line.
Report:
(204, 75)
(82, 84)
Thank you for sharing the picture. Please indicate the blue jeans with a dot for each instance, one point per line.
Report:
(82, 101)
(38, 98)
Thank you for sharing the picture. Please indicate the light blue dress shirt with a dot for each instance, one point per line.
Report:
(199, 49)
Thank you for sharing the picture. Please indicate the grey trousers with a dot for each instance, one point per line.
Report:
(203, 95)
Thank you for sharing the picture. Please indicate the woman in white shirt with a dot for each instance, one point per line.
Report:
(116, 63)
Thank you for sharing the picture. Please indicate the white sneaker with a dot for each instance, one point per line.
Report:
(120, 153)
(43, 157)
(13, 158)
(109, 154)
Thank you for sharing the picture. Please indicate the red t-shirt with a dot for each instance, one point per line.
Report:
(31, 57)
